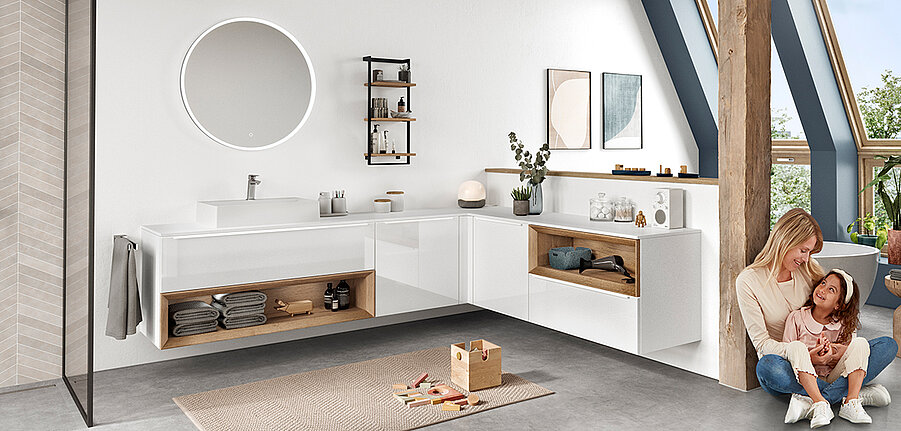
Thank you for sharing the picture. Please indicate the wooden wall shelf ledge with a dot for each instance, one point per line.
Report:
(390, 119)
(598, 175)
(389, 155)
(390, 84)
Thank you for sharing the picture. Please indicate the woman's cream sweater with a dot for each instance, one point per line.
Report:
(765, 304)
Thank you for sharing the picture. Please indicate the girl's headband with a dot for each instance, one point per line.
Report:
(848, 282)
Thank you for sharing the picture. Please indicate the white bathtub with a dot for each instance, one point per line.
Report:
(860, 261)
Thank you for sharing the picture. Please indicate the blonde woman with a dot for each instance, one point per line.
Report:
(778, 282)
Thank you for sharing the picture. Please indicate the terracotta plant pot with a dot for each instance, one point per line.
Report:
(894, 247)
(520, 208)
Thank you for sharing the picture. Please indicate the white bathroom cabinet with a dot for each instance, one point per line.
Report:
(499, 266)
(425, 259)
(416, 265)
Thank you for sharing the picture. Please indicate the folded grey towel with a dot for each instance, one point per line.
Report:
(239, 310)
(194, 328)
(242, 321)
(895, 274)
(252, 297)
(192, 312)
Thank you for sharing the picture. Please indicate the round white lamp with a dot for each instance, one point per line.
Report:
(471, 194)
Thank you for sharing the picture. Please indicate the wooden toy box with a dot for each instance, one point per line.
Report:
(476, 369)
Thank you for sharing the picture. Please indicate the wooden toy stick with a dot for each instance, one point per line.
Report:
(420, 379)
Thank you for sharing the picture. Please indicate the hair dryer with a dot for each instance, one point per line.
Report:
(610, 263)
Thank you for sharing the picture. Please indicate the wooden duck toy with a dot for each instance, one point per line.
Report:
(295, 307)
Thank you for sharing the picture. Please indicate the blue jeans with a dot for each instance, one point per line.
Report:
(777, 377)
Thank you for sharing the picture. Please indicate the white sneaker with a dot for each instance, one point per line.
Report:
(854, 412)
(798, 408)
(821, 414)
(874, 395)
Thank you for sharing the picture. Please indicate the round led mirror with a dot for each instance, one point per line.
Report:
(248, 84)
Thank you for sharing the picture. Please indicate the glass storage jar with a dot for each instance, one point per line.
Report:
(623, 210)
(601, 209)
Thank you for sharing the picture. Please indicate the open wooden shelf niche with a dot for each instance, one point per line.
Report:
(362, 306)
(542, 239)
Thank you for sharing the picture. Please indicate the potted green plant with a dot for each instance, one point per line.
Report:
(521, 197)
(891, 200)
(535, 170)
(867, 232)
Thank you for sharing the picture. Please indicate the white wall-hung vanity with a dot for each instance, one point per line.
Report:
(427, 259)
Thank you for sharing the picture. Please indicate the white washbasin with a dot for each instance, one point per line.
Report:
(235, 213)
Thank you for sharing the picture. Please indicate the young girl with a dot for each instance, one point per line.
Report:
(828, 323)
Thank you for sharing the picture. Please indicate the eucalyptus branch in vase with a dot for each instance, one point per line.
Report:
(535, 171)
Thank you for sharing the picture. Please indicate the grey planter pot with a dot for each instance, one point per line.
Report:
(521, 208)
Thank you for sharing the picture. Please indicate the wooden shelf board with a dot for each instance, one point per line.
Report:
(574, 174)
(596, 278)
(389, 155)
(390, 119)
(319, 316)
(390, 84)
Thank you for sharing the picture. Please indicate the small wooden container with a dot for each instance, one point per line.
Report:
(478, 369)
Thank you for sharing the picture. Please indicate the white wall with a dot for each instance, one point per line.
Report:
(480, 69)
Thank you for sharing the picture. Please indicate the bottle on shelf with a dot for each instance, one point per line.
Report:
(343, 293)
(383, 143)
(335, 304)
(328, 296)
(374, 139)
(401, 105)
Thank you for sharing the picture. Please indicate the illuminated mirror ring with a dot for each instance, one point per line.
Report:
(248, 84)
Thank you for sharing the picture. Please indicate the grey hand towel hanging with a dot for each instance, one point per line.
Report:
(124, 304)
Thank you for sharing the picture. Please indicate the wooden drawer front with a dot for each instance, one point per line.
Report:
(596, 315)
(198, 261)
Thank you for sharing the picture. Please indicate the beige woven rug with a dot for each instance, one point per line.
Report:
(349, 397)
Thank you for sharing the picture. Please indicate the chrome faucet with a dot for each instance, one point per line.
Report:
(252, 183)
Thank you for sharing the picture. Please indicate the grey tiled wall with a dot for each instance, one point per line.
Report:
(32, 106)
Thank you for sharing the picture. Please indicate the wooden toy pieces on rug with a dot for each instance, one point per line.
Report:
(427, 393)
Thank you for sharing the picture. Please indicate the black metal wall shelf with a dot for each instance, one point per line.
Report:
(371, 157)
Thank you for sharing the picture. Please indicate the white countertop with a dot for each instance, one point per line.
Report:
(558, 220)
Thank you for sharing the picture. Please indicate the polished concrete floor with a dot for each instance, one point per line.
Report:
(596, 387)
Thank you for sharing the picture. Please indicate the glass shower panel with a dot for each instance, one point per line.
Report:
(78, 318)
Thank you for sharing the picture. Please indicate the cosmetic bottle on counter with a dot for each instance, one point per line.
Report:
(343, 292)
(335, 305)
(401, 105)
(325, 203)
(328, 296)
